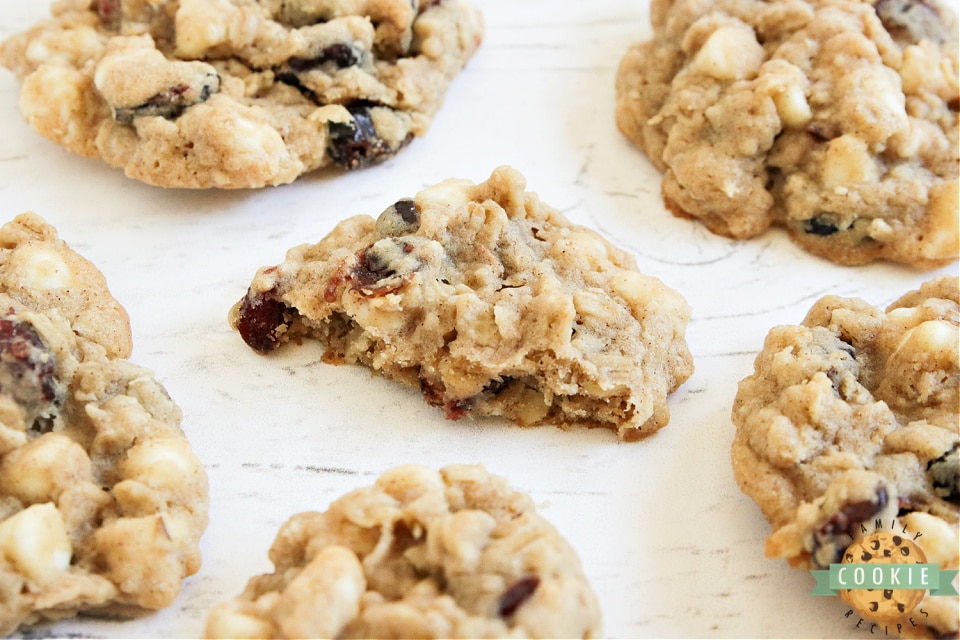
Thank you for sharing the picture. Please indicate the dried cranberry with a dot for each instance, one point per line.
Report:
(435, 396)
(263, 320)
(517, 594)
(337, 280)
(371, 268)
(432, 392)
(109, 11)
(28, 372)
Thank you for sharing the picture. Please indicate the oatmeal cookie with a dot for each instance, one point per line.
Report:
(488, 301)
(102, 501)
(420, 554)
(239, 93)
(850, 423)
(836, 119)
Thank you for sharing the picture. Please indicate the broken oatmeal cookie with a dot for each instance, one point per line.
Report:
(850, 422)
(488, 301)
(420, 554)
(239, 93)
(836, 119)
(102, 501)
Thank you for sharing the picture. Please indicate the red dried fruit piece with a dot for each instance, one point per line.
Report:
(263, 321)
(109, 11)
(28, 371)
(433, 394)
(517, 594)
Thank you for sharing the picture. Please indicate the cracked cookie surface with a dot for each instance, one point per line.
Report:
(851, 419)
(488, 301)
(102, 501)
(239, 93)
(420, 554)
(836, 119)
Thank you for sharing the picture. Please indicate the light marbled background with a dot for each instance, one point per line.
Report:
(670, 544)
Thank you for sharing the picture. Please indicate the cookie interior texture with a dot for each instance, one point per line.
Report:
(420, 554)
(851, 419)
(488, 301)
(102, 501)
(239, 93)
(834, 119)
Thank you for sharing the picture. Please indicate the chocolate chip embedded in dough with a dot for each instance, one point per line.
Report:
(339, 55)
(944, 473)
(912, 20)
(399, 219)
(385, 266)
(822, 225)
(356, 144)
(172, 102)
(837, 533)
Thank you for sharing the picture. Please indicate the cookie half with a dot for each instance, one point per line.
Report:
(102, 501)
(239, 93)
(488, 301)
(834, 119)
(420, 554)
(850, 421)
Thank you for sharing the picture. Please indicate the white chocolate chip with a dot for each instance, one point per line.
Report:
(648, 295)
(35, 541)
(907, 317)
(323, 597)
(730, 53)
(201, 26)
(939, 540)
(879, 229)
(941, 221)
(932, 339)
(44, 269)
(792, 106)
(225, 622)
(848, 161)
(44, 467)
(161, 463)
(449, 193)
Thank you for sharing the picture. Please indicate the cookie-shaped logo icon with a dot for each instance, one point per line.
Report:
(882, 604)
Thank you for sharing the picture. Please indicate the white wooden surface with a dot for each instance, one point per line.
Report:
(670, 544)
